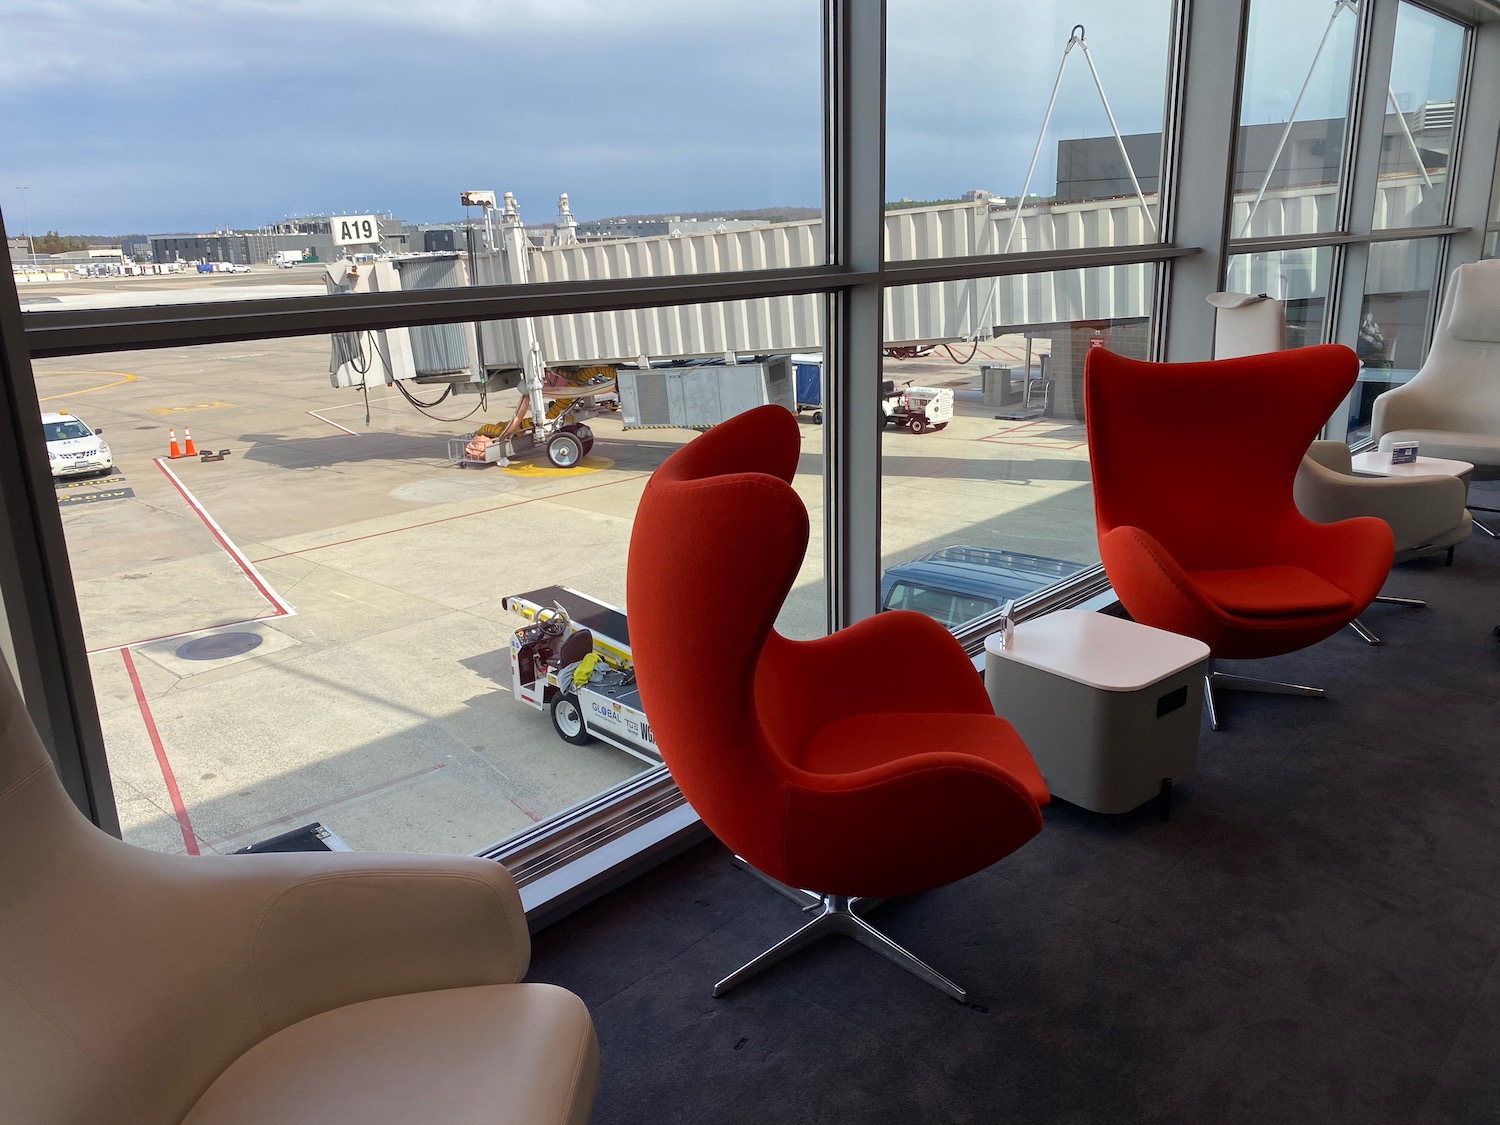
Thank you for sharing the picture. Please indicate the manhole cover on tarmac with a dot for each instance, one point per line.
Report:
(219, 646)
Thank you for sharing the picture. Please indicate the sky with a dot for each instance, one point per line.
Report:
(158, 116)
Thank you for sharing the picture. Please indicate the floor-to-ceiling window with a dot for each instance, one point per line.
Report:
(1054, 147)
(307, 626)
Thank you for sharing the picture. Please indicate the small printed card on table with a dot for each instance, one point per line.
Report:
(1403, 452)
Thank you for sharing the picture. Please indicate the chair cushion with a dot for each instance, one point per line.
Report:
(861, 742)
(493, 1054)
(1270, 591)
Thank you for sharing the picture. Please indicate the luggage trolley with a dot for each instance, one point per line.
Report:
(807, 375)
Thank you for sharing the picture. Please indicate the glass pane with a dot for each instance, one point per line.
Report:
(969, 130)
(1417, 147)
(1492, 244)
(1494, 194)
(1400, 290)
(985, 491)
(369, 133)
(307, 626)
(1292, 113)
(1298, 277)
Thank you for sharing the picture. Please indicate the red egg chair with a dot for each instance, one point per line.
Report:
(1193, 465)
(865, 764)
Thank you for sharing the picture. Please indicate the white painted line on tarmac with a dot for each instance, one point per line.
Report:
(332, 423)
(280, 604)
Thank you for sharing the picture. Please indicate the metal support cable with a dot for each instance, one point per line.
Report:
(1410, 140)
(1338, 8)
(1036, 152)
(1129, 167)
(1042, 134)
(1075, 39)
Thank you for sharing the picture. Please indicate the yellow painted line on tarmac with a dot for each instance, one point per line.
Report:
(182, 409)
(124, 377)
(589, 464)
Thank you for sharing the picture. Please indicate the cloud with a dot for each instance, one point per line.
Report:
(964, 112)
(168, 115)
(58, 42)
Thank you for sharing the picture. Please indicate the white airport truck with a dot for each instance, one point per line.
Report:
(573, 658)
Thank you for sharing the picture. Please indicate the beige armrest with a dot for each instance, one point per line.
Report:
(1418, 508)
(367, 926)
(1408, 407)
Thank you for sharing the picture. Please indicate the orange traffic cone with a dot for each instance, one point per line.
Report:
(172, 451)
(188, 449)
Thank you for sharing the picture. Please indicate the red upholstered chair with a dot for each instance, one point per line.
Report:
(865, 764)
(1193, 465)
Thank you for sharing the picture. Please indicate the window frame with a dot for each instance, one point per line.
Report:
(585, 850)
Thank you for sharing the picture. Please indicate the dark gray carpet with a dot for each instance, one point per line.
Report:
(1313, 938)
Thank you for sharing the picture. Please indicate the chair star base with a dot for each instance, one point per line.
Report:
(836, 916)
(1370, 638)
(1227, 681)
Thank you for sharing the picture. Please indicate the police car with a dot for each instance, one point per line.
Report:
(73, 448)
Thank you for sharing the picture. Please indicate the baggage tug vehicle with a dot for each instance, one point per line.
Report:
(572, 658)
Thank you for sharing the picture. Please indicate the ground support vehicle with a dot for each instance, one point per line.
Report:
(560, 434)
(919, 409)
(573, 659)
(72, 447)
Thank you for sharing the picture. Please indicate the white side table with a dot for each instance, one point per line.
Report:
(1377, 463)
(1110, 709)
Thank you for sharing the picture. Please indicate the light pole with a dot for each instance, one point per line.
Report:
(26, 218)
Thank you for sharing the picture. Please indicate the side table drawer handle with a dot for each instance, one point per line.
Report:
(1171, 701)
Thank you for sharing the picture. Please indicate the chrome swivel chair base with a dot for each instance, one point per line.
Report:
(1226, 681)
(834, 916)
(1363, 630)
(1479, 523)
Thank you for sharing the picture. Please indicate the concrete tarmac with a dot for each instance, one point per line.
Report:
(346, 578)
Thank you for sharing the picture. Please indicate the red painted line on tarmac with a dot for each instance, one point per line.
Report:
(534, 817)
(443, 519)
(281, 607)
(394, 783)
(1060, 444)
(189, 840)
(332, 423)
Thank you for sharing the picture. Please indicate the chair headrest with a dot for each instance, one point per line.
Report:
(1235, 300)
(1476, 302)
(764, 439)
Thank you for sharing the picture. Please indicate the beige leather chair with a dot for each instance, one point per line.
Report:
(1247, 324)
(1451, 407)
(1426, 514)
(330, 989)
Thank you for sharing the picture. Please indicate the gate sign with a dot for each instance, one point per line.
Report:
(354, 230)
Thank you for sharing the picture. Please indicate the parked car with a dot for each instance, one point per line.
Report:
(73, 448)
(958, 584)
